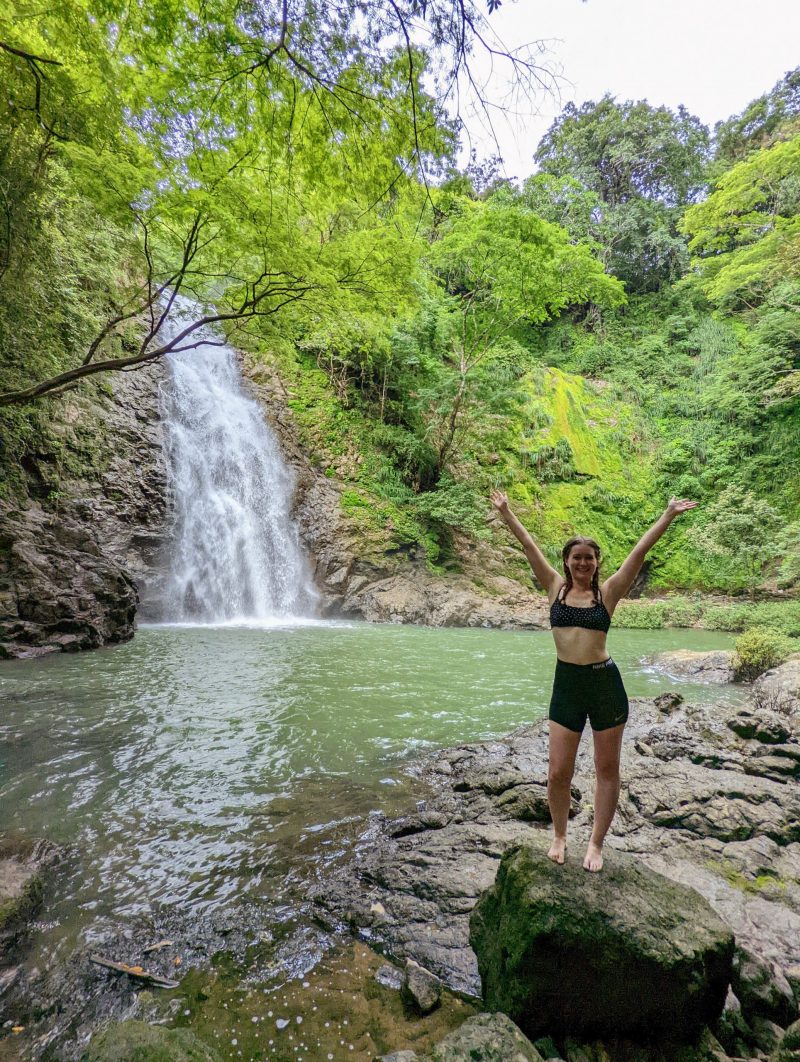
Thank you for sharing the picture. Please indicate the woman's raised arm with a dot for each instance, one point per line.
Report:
(546, 575)
(617, 586)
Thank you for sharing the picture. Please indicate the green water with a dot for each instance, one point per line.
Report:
(195, 765)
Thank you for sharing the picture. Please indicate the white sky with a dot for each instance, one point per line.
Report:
(714, 56)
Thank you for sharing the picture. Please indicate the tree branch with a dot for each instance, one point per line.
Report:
(281, 286)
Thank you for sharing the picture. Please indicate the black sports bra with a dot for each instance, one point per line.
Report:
(593, 618)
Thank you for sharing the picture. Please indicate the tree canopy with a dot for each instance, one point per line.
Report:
(643, 164)
(624, 326)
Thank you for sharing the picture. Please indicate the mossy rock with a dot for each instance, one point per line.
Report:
(21, 892)
(22, 907)
(624, 953)
(485, 1038)
(788, 1049)
(136, 1041)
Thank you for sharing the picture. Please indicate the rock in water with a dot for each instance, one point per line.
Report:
(715, 667)
(22, 876)
(485, 1038)
(625, 953)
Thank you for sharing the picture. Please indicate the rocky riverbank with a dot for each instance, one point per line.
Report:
(709, 800)
(710, 804)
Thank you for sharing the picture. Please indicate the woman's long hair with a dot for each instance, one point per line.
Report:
(581, 540)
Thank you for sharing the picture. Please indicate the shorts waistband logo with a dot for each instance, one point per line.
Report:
(603, 663)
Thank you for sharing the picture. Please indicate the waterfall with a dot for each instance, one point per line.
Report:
(234, 552)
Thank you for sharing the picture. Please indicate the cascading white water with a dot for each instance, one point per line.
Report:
(234, 552)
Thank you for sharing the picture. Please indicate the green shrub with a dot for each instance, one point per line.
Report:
(682, 613)
(726, 618)
(640, 615)
(759, 649)
(781, 616)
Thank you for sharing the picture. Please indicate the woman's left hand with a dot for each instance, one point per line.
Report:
(680, 505)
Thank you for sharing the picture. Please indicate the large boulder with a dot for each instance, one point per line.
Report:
(624, 953)
(779, 688)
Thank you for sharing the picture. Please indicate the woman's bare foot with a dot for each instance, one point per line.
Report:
(558, 850)
(594, 857)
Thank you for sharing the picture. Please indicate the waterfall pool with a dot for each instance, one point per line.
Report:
(199, 765)
(176, 763)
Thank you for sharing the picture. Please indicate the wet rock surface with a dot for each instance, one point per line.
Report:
(698, 806)
(24, 866)
(75, 555)
(714, 667)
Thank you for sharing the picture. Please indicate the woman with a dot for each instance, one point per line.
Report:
(587, 682)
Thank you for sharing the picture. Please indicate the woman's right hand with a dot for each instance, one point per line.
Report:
(499, 501)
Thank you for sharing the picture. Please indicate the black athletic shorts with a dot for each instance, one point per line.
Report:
(593, 691)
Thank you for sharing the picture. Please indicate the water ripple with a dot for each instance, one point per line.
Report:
(198, 765)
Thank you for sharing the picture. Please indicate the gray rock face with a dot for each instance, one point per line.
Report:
(71, 559)
(687, 810)
(559, 950)
(485, 1038)
(714, 667)
(780, 687)
(58, 592)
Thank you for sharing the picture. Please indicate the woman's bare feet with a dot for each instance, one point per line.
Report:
(558, 850)
(594, 857)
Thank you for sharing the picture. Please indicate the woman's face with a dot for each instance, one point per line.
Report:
(582, 563)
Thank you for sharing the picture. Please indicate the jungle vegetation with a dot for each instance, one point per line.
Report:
(622, 326)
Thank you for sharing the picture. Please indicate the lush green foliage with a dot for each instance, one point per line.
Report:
(643, 164)
(773, 116)
(781, 617)
(746, 234)
(759, 649)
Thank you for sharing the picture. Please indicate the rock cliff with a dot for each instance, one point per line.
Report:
(76, 554)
